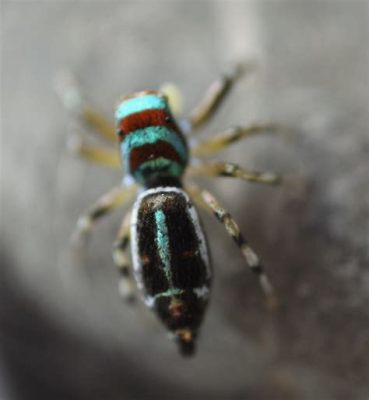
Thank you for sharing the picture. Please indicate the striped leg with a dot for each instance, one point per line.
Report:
(72, 98)
(222, 140)
(110, 201)
(122, 261)
(96, 154)
(215, 95)
(234, 171)
(251, 257)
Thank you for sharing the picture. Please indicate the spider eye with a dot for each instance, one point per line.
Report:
(168, 118)
(120, 134)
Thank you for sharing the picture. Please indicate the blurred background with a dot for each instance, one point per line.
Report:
(64, 332)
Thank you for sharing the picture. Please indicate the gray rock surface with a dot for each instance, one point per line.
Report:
(64, 332)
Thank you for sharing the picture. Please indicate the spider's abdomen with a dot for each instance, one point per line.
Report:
(152, 145)
(170, 260)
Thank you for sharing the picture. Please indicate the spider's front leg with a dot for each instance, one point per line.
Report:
(71, 96)
(122, 261)
(74, 101)
(215, 95)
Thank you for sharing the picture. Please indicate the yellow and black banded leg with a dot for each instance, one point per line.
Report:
(116, 197)
(233, 230)
(72, 98)
(97, 154)
(217, 143)
(215, 94)
(121, 259)
(226, 169)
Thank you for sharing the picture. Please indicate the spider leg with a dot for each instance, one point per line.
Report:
(99, 122)
(226, 169)
(122, 261)
(105, 156)
(222, 140)
(72, 98)
(212, 205)
(116, 197)
(214, 96)
(174, 96)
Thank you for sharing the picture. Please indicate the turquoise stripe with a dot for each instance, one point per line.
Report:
(170, 293)
(171, 167)
(141, 103)
(151, 135)
(162, 241)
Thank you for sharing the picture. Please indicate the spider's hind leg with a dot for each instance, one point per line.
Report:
(116, 197)
(211, 204)
(122, 261)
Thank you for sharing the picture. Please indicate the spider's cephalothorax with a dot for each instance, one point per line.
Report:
(168, 246)
(153, 149)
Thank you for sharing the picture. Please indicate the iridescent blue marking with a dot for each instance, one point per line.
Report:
(151, 135)
(171, 168)
(162, 241)
(141, 103)
(170, 293)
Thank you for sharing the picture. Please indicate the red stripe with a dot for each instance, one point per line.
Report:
(144, 119)
(152, 151)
